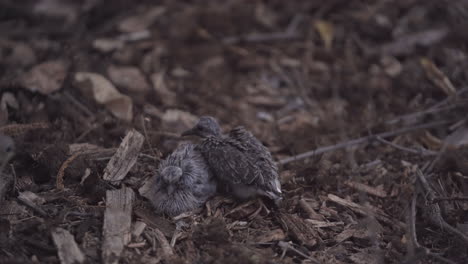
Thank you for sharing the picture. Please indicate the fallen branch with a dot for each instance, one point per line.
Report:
(361, 140)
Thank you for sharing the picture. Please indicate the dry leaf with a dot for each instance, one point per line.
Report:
(326, 31)
(437, 77)
(140, 22)
(46, 77)
(105, 93)
(177, 121)
(129, 78)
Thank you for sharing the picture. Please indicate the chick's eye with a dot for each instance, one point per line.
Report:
(8, 149)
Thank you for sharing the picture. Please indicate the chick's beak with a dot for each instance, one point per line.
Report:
(190, 132)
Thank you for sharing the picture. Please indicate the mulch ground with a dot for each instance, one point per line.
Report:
(374, 92)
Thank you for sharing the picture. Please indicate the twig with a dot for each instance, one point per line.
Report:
(59, 181)
(78, 104)
(433, 209)
(361, 140)
(289, 33)
(421, 151)
(146, 136)
(438, 107)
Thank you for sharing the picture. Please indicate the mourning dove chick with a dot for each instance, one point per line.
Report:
(238, 160)
(183, 183)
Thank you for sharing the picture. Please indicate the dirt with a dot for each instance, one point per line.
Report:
(300, 75)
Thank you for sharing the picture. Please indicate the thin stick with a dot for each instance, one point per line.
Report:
(289, 33)
(438, 107)
(424, 152)
(360, 141)
(78, 104)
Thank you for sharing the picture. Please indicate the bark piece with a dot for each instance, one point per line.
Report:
(125, 157)
(298, 229)
(68, 250)
(117, 223)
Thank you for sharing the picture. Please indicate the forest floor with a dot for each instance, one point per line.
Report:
(373, 91)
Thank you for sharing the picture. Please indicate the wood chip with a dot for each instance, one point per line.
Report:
(125, 157)
(137, 230)
(166, 248)
(310, 211)
(68, 250)
(297, 228)
(376, 191)
(117, 223)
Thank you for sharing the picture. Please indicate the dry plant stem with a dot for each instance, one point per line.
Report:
(146, 136)
(433, 210)
(411, 227)
(78, 104)
(424, 152)
(59, 182)
(360, 141)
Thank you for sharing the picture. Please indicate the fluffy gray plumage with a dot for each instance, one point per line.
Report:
(184, 182)
(238, 159)
(7, 150)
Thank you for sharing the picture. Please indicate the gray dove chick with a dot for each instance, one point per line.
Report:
(184, 182)
(238, 159)
(7, 150)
